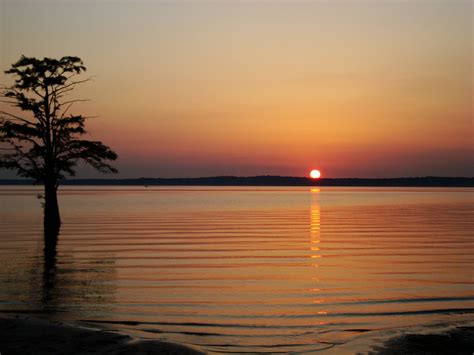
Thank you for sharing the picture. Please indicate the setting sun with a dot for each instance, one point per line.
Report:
(315, 174)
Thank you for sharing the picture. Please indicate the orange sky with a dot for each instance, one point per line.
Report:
(198, 88)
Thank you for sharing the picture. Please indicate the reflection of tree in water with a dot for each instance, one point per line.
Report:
(56, 282)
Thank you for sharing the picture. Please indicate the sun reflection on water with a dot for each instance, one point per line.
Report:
(315, 225)
(315, 235)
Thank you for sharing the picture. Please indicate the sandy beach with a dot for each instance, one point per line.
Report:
(459, 340)
(23, 335)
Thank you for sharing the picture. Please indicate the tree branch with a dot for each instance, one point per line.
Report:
(15, 117)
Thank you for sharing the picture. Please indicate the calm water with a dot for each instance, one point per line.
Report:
(243, 269)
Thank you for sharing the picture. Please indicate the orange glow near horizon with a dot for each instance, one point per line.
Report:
(245, 88)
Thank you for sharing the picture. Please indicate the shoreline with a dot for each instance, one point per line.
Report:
(457, 340)
(265, 180)
(25, 335)
(28, 335)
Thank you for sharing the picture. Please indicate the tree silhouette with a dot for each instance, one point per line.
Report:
(46, 145)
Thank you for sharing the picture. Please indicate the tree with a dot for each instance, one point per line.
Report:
(46, 145)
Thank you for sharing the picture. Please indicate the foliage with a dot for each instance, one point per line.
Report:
(47, 146)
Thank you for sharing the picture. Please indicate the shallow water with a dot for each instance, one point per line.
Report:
(243, 269)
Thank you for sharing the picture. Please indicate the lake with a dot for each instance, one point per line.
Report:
(244, 269)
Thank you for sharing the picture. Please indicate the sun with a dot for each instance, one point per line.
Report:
(315, 174)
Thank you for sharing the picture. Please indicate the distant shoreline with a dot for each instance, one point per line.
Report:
(266, 180)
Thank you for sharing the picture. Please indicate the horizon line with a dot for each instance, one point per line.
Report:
(250, 176)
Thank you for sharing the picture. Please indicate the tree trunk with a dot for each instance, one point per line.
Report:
(52, 219)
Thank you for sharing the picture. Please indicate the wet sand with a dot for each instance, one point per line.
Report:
(457, 341)
(22, 335)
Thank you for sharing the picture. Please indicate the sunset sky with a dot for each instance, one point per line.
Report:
(199, 88)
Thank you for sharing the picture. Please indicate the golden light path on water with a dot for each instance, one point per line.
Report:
(239, 269)
(315, 225)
